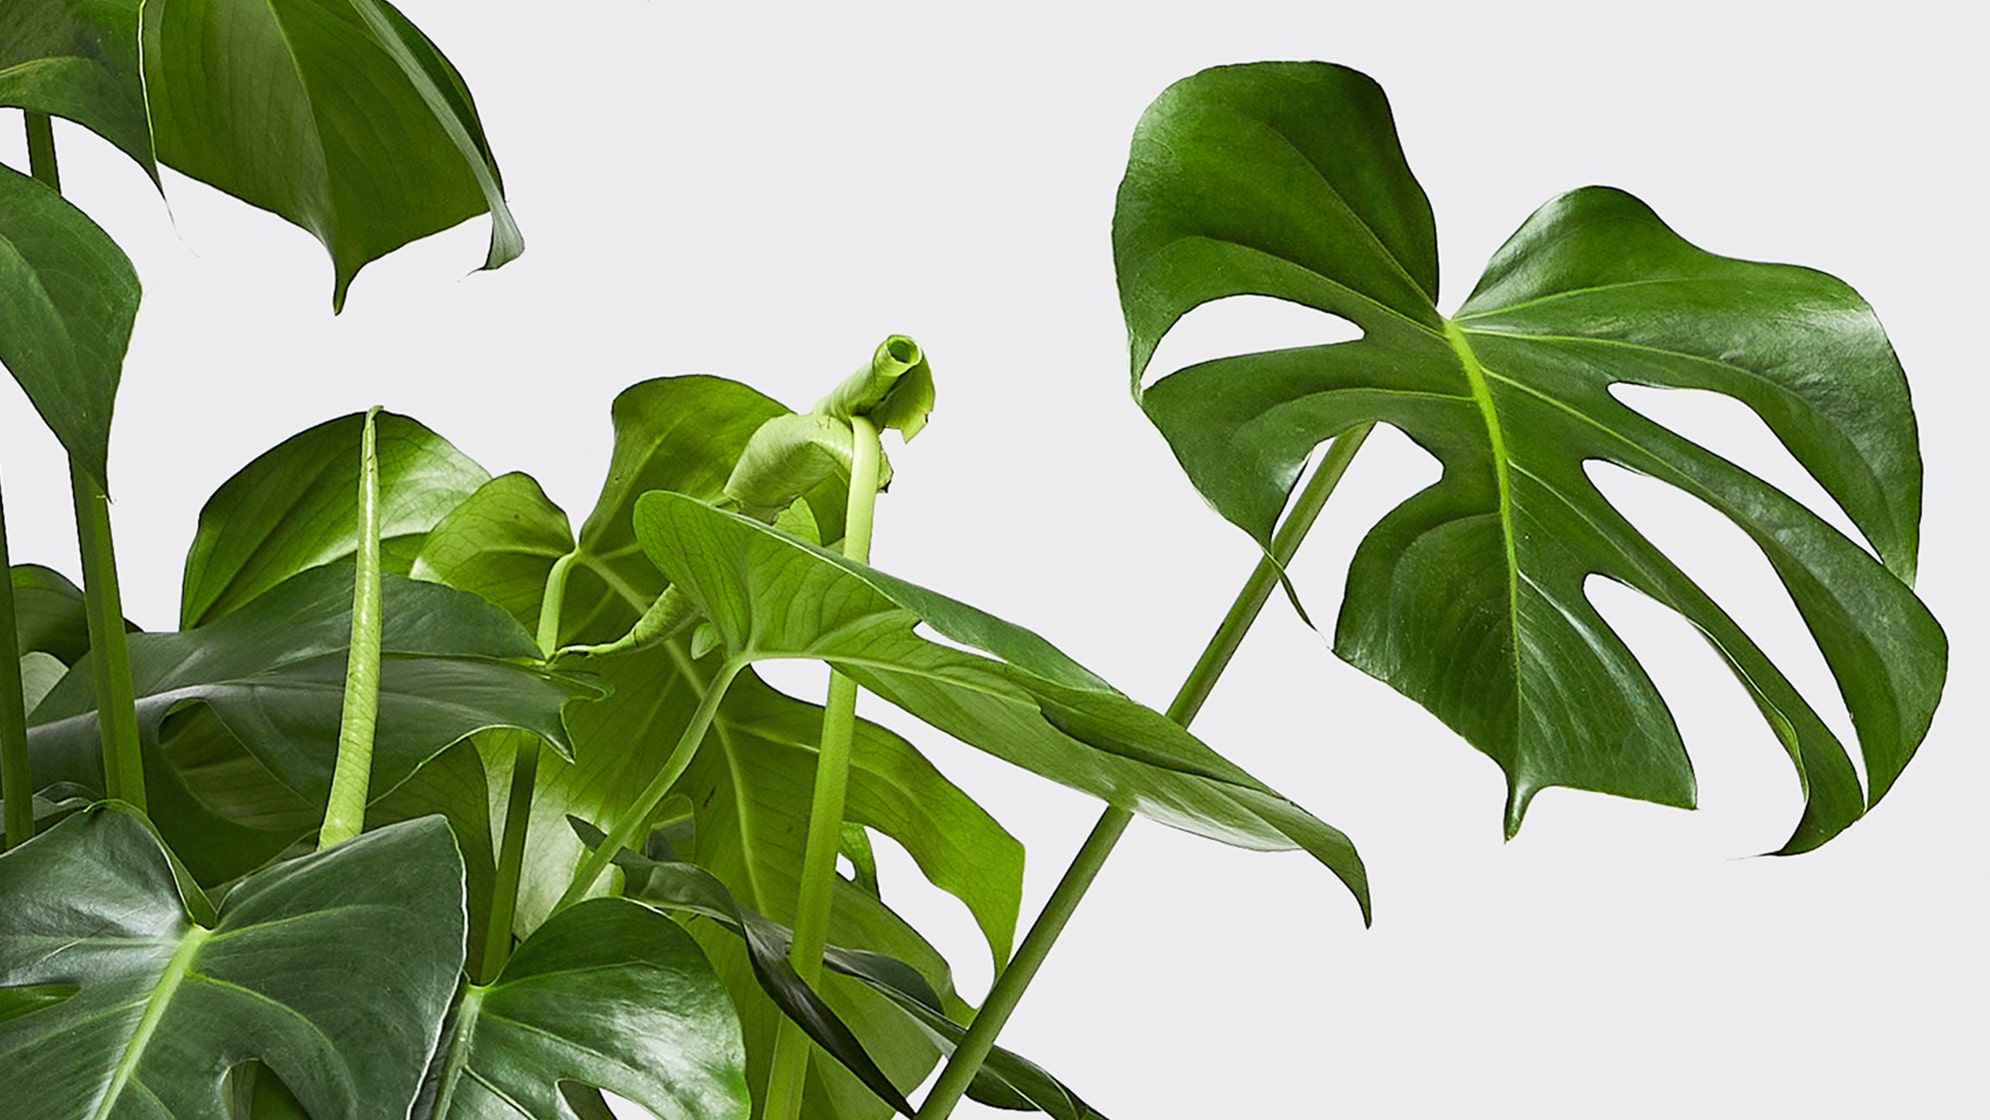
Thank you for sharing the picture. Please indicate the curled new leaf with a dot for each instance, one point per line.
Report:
(772, 596)
(1286, 180)
(140, 999)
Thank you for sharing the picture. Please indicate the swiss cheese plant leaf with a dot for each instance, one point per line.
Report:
(609, 994)
(772, 596)
(78, 59)
(269, 677)
(1287, 180)
(338, 115)
(335, 971)
(296, 506)
(68, 297)
(1006, 1080)
(501, 542)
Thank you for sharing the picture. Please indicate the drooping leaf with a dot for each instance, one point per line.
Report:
(334, 970)
(1006, 1080)
(1287, 180)
(78, 59)
(68, 297)
(296, 507)
(772, 596)
(269, 677)
(338, 115)
(609, 994)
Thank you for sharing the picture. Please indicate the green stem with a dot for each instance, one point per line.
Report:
(629, 830)
(1036, 945)
(17, 784)
(352, 775)
(103, 607)
(787, 1076)
(110, 660)
(524, 779)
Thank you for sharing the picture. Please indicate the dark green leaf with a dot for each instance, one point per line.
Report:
(1286, 180)
(609, 994)
(772, 596)
(78, 59)
(1006, 1080)
(337, 115)
(68, 297)
(270, 677)
(296, 506)
(163, 1007)
(48, 614)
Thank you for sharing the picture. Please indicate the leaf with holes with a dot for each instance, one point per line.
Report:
(1287, 180)
(146, 1000)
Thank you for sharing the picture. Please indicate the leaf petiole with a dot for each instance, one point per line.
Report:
(17, 787)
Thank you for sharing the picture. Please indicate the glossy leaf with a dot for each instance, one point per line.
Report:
(609, 994)
(1286, 180)
(78, 59)
(772, 596)
(49, 614)
(156, 1006)
(338, 115)
(70, 297)
(296, 507)
(269, 677)
(1006, 1080)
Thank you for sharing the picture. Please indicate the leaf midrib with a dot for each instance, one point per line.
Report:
(1475, 377)
(176, 970)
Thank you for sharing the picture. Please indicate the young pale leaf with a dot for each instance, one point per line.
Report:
(78, 59)
(150, 1007)
(501, 542)
(609, 994)
(1287, 180)
(338, 115)
(269, 677)
(1007, 1080)
(296, 507)
(773, 597)
(69, 299)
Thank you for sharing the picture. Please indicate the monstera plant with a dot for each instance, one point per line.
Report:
(435, 807)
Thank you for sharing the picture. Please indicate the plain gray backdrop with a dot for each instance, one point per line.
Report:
(764, 193)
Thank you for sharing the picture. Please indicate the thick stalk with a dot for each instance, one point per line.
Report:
(103, 607)
(524, 779)
(629, 830)
(352, 774)
(787, 1076)
(17, 785)
(1015, 979)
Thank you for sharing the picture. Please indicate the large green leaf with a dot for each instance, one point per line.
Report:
(335, 971)
(609, 994)
(1286, 180)
(68, 297)
(49, 614)
(338, 115)
(269, 678)
(771, 596)
(296, 506)
(78, 59)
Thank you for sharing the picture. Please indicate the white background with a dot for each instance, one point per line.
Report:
(766, 194)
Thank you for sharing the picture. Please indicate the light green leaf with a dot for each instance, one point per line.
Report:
(1286, 180)
(39, 674)
(78, 59)
(609, 994)
(68, 297)
(157, 1007)
(269, 677)
(338, 115)
(296, 506)
(501, 542)
(772, 596)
